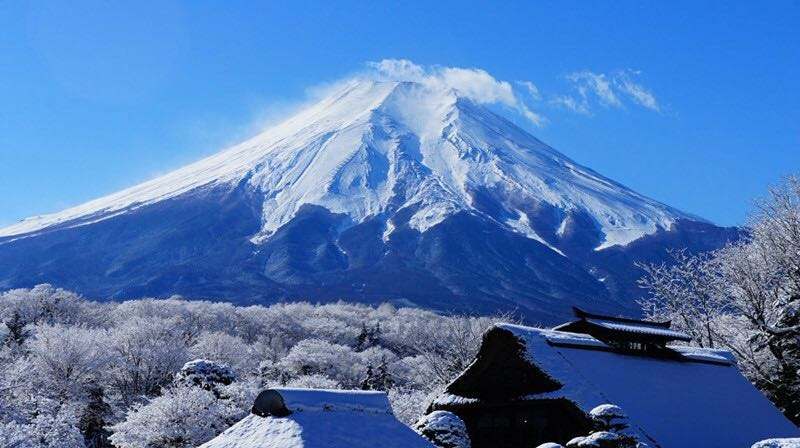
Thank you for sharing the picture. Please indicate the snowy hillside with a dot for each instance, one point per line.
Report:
(380, 181)
(374, 148)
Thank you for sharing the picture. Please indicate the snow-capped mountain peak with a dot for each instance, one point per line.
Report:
(409, 192)
(374, 149)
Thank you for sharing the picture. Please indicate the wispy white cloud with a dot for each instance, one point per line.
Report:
(571, 103)
(597, 85)
(637, 92)
(533, 91)
(606, 90)
(473, 83)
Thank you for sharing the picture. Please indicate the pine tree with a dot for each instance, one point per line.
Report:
(383, 378)
(378, 379)
(368, 337)
(93, 419)
(17, 333)
(368, 383)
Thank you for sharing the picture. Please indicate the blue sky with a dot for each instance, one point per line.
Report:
(701, 109)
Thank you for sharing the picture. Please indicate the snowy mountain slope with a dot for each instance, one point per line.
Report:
(378, 146)
(356, 190)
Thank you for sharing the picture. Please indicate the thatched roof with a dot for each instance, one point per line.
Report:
(314, 418)
(698, 398)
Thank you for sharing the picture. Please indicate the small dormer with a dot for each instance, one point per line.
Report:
(625, 334)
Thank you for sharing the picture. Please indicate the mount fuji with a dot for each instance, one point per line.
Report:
(383, 191)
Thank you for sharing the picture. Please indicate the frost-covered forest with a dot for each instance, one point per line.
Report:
(75, 372)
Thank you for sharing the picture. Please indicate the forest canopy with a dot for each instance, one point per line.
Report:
(75, 372)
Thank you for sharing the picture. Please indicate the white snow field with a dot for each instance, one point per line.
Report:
(375, 148)
(323, 419)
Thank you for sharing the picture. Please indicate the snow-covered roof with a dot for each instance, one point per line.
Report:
(590, 322)
(686, 353)
(639, 328)
(323, 419)
(674, 402)
(304, 400)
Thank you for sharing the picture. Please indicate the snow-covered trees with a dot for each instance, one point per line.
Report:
(184, 417)
(168, 373)
(64, 359)
(227, 349)
(744, 297)
(454, 347)
(409, 403)
(687, 291)
(144, 355)
(316, 356)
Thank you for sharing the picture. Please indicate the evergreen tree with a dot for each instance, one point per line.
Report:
(93, 419)
(368, 383)
(368, 337)
(383, 377)
(17, 333)
(378, 379)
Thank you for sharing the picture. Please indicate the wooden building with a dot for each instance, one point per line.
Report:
(528, 386)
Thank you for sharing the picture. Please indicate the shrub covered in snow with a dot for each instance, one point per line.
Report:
(444, 429)
(610, 422)
(778, 443)
(205, 374)
(603, 439)
(609, 417)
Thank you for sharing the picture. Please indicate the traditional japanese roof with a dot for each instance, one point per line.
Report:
(624, 328)
(696, 399)
(323, 419)
(640, 329)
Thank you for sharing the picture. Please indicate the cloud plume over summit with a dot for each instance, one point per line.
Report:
(589, 89)
(474, 83)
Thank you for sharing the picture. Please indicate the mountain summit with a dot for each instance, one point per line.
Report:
(395, 191)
